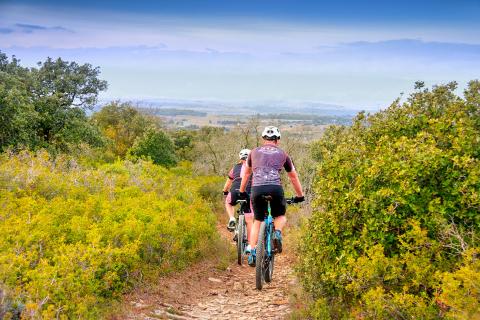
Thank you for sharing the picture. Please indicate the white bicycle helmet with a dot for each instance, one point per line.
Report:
(271, 133)
(243, 154)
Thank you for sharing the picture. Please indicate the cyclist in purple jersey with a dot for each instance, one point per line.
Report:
(266, 163)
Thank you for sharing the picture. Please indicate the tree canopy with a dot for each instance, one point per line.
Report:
(46, 106)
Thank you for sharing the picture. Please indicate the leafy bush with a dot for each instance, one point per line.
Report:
(210, 191)
(394, 232)
(157, 146)
(74, 238)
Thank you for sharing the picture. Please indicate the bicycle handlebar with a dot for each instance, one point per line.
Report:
(291, 200)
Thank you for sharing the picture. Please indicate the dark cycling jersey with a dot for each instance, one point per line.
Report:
(266, 162)
(236, 175)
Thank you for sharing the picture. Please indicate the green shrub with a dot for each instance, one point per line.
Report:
(394, 232)
(75, 238)
(210, 189)
(157, 146)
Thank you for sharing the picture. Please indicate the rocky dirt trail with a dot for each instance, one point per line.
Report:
(205, 292)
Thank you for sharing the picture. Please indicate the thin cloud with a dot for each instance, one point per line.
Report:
(414, 48)
(31, 28)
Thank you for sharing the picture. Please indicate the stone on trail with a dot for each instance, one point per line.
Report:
(168, 305)
(139, 304)
(238, 286)
(215, 280)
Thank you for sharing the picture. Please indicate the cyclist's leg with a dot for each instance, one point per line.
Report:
(279, 207)
(249, 221)
(229, 206)
(280, 222)
(249, 218)
(260, 207)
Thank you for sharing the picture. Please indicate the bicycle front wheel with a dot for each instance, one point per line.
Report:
(269, 257)
(240, 239)
(259, 264)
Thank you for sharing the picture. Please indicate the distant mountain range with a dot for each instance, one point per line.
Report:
(245, 107)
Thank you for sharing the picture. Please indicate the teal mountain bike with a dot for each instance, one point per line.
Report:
(265, 252)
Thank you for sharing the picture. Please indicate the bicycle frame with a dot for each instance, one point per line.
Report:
(269, 228)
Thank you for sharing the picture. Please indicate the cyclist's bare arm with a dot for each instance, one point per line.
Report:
(248, 173)
(295, 182)
(228, 184)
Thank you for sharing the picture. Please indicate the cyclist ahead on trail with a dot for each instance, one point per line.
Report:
(232, 185)
(266, 163)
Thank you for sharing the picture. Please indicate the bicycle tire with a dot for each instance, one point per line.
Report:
(270, 261)
(259, 268)
(240, 239)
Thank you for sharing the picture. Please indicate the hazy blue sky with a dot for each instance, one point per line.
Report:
(355, 53)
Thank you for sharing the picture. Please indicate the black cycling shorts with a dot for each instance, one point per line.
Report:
(278, 204)
(232, 199)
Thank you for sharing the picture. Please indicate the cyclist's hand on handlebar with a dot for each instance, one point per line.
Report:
(225, 193)
(243, 195)
(297, 199)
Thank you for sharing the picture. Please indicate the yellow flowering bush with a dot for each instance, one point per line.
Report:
(73, 238)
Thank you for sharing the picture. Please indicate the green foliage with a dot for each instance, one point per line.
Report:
(46, 106)
(208, 190)
(74, 238)
(394, 232)
(18, 116)
(122, 124)
(157, 146)
(184, 143)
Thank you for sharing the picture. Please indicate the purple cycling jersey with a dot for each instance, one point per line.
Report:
(266, 162)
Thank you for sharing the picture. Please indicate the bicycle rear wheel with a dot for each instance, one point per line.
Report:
(241, 239)
(260, 253)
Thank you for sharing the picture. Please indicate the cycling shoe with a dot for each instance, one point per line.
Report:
(252, 258)
(277, 241)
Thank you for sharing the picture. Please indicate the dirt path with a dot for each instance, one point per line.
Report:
(205, 292)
